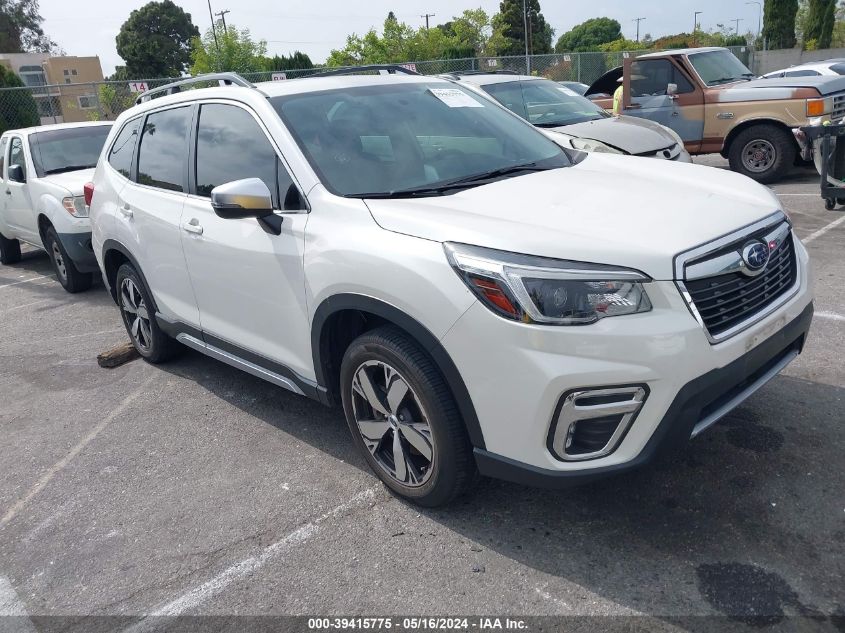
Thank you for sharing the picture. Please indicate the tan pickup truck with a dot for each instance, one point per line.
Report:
(717, 105)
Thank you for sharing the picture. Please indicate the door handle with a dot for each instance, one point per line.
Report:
(192, 227)
(126, 210)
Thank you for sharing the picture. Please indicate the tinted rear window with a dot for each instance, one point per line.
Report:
(164, 147)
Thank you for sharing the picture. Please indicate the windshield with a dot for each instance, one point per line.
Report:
(68, 149)
(545, 103)
(719, 67)
(383, 139)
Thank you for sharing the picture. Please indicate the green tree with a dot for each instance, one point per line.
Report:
(779, 23)
(20, 28)
(511, 21)
(821, 15)
(233, 51)
(297, 61)
(156, 40)
(590, 35)
(17, 107)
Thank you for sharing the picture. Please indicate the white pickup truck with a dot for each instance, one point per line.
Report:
(42, 174)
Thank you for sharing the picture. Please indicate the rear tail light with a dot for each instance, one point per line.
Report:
(88, 190)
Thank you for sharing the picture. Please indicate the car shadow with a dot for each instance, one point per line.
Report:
(733, 525)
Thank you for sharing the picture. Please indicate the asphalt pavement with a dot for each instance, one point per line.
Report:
(192, 488)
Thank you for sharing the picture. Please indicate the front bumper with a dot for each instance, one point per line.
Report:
(81, 252)
(516, 375)
(699, 403)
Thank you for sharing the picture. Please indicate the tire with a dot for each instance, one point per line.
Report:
(425, 418)
(135, 304)
(10, 251)
(71, 279)
(829, 204)
(763, 152)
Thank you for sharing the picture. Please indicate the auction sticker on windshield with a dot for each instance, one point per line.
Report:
(455, 98)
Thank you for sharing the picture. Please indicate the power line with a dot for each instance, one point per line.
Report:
(638, 20)
(427, 16)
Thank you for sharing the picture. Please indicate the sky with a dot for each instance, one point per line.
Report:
(88, 27)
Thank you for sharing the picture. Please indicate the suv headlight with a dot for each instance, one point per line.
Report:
(76, 206)
(550, 291)
(589, 145)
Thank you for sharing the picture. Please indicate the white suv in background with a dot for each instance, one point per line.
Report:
(42, 174)
(405, 247)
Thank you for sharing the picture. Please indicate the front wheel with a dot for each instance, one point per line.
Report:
(10, 251)
(71, 279)
(404, 419)
(763, 152)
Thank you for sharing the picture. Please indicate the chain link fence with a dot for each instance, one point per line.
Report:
(104, 101)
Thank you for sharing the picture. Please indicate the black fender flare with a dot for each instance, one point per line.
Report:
(114, 245)
(419, 332)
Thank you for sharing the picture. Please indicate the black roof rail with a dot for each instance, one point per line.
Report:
(460, 73)
(223, 79)
(385, 69)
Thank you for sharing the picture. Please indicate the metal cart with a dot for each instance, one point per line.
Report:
(829, 156)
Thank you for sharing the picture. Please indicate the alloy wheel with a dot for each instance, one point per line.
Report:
(758, 156)
(136, 314)
(393, 423)
(59, 261)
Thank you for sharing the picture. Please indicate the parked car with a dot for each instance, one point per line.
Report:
(831, 67)
(404, 247)
(717, 105)
(43, 171)
(575, 86)
(575, 120)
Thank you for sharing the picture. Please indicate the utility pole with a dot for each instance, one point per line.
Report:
(695, 28)
(638, 20)
(213, 30)
(222, 15)
(427, 16)
(737, 20)
(525, 32)
(759, 17)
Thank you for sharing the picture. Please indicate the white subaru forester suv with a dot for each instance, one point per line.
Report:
(404, 247)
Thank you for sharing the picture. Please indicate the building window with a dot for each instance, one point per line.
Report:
(73, 72)
(67, 80)
(66, 72)
(86, 102)
(33, 77)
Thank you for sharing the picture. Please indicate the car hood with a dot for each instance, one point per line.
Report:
(780, 88)
(608, 209)
(73, 181)
(629, 134)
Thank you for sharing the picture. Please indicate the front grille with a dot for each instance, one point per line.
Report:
(838, 107)
(727, 300)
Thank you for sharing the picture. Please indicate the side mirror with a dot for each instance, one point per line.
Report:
(16, 173)
(672, 90)
(247, 198)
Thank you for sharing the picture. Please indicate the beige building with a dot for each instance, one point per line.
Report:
(64, 87)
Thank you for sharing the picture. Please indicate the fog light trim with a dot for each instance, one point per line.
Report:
(591, 403)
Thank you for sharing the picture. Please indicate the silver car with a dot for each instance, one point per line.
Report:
(582, 124)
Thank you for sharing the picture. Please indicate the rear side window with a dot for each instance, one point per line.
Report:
(164, 142)
(802, 73)
(509, 94)
(123, 148)
(232, 146)
(652, 77)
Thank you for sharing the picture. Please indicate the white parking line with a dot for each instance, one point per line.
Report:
(831, 316)
(823, 230)
(11, 606)
(64, 461)
(25, 281)
(246, 567)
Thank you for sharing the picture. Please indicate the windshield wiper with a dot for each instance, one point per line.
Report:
(61, 170)
(461, 183)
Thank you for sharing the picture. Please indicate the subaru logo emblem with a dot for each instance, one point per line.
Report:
(756, 256)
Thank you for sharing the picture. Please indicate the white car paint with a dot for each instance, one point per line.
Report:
(262, 292)
(826, 68)
(24, 203)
